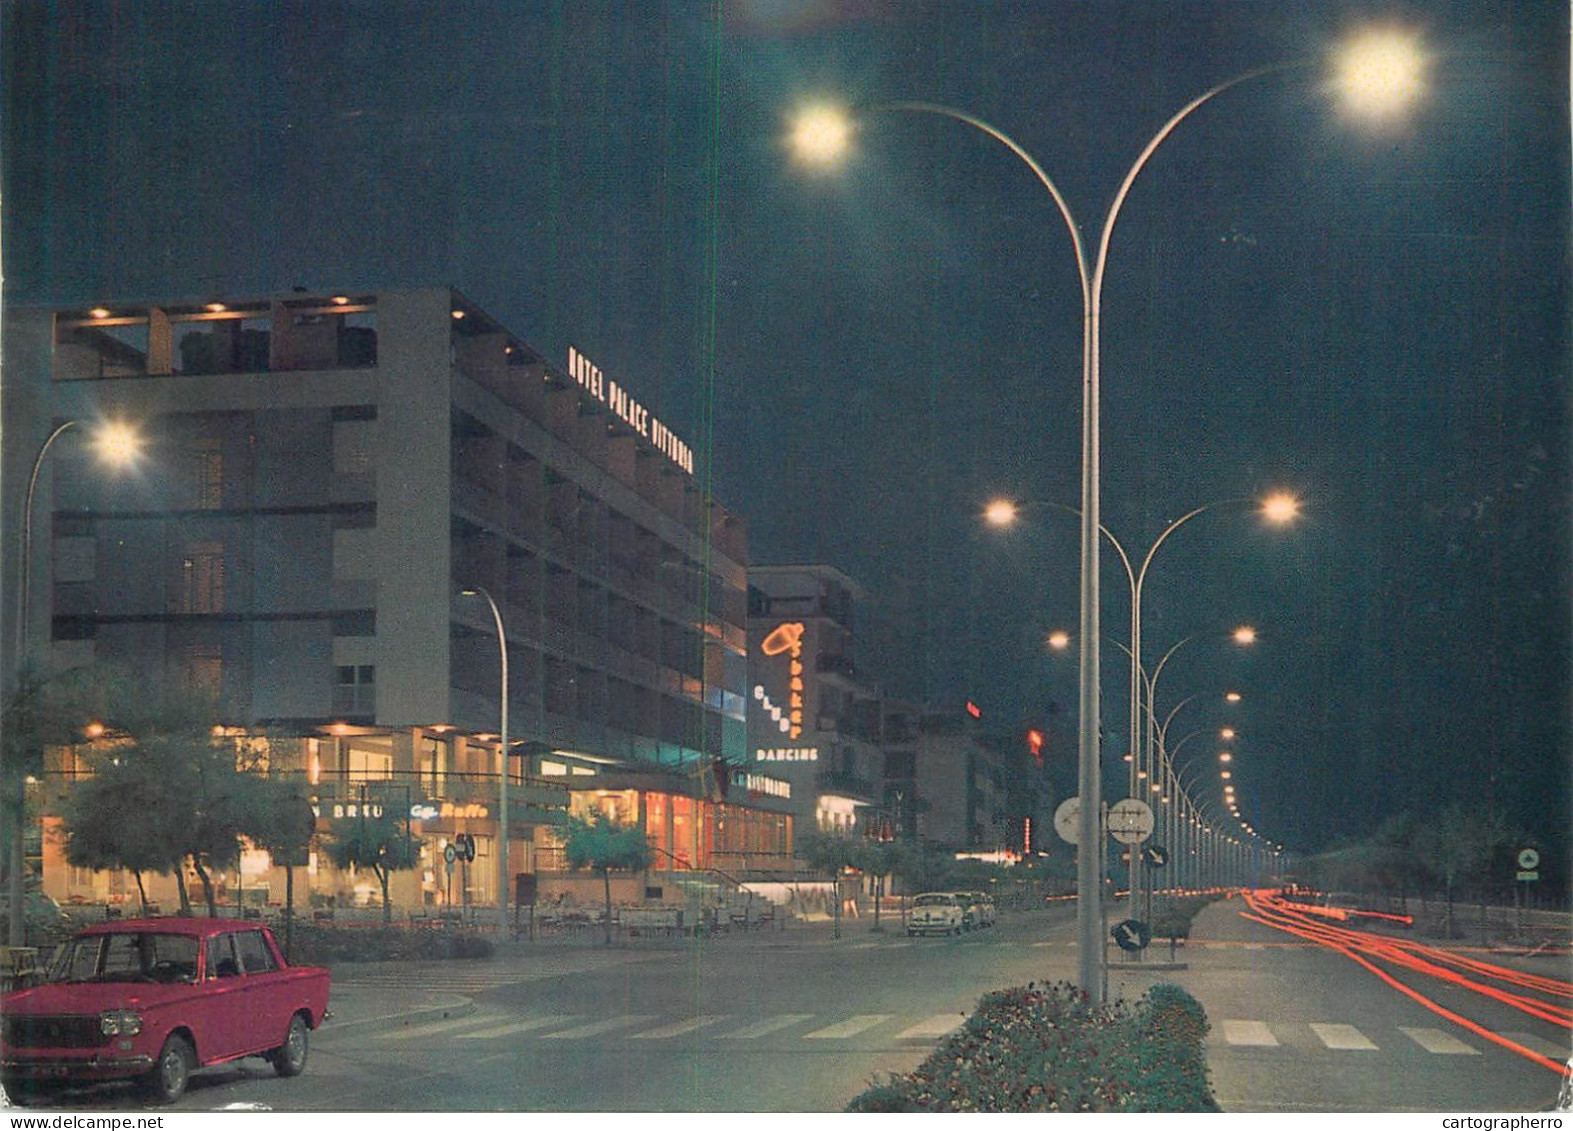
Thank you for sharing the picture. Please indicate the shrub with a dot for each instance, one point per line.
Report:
(324, 946)
(1044, 1048)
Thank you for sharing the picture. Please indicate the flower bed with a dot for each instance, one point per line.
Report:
(1043, 1048)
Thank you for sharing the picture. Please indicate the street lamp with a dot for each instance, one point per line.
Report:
(502, 778)
(820, 140)
(119, 445)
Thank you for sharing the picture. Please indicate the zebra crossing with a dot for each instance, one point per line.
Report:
(738, 1029)
(720, 1027)
(1342, 1038)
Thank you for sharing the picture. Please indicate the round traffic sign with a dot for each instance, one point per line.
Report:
(1067, 820)
(1130, 821)
(1132, 934)
(1528, 859)
(1155, 856)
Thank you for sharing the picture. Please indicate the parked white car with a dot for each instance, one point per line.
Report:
(978, 909)
(935, 913)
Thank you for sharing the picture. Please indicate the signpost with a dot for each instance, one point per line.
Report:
(1528, 873)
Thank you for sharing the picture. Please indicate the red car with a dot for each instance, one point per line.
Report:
(153, 999)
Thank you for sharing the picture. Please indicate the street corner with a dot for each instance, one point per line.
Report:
(358, 1006)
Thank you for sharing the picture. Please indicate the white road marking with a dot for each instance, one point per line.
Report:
(1341, 1036)
(678, 1028)
(524, 1026)
(596, 1028)
(1247, 1033)
(848, 1028)
(935, 1027)
(768, 1025)
(1434, 1040)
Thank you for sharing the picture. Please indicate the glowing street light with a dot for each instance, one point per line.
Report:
(1378, 75)
(820, 137)
(116, 444)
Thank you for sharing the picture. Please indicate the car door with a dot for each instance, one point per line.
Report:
(223, 1001)
(268, 1003)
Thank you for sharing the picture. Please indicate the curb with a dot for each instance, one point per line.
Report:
(455, 1006)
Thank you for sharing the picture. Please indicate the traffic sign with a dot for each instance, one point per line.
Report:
(1130, 821)
(1155, 855)
(1131, 934)
(1528, 859)
(1067, 820)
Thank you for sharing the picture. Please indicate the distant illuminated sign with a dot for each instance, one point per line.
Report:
(786, 639)
(630, 411)
(787, 754)
(769, 787)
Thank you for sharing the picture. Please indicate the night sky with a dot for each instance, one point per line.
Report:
(1377, 322)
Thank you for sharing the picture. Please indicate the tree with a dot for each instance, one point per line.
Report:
(196, 799)
(1464, 846)
(376, 841)
(41, 708)
(602, 844)
(283, 828)
(110, 821)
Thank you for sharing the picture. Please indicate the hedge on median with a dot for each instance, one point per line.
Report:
(322, 946)
(1044, 1048)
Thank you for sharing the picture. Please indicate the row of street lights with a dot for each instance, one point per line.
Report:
(1375, 77)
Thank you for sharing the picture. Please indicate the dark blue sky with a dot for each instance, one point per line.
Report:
(1380, 324)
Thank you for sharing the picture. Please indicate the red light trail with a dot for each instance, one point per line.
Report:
(1544, 998)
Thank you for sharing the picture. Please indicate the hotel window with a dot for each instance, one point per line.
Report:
(200, 586)
(355, 689)
(353, 442)
(205, 466)
(201, 667)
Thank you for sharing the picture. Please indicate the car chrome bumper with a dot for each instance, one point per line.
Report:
(74, 1067)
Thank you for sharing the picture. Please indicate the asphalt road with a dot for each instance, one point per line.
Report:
(801, 1022)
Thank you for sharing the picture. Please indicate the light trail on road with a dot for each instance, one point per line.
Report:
(1547, 999)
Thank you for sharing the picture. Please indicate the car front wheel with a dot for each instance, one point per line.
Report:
(289, 1059)
(171, 1072)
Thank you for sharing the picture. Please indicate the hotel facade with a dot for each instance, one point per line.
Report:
(335, 492)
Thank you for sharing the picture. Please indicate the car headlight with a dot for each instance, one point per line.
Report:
(120, 1023)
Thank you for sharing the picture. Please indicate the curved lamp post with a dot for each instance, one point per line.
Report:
(117, 444)
(502, 778)
(1379, 77)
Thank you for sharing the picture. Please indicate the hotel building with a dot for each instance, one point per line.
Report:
(334, 493)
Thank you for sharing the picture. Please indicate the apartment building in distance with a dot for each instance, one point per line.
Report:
(813, 719)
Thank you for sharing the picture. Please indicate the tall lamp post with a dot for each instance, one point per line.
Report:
(117, 444)
(502, 778)
(1376, 77)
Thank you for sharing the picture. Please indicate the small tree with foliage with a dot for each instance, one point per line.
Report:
(375, 841)
(197, 798)
(283, 826)
(602, 844)
(111, 821)
(42, 707)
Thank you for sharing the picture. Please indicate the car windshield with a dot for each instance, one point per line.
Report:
(931, 901)
(126, 957)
